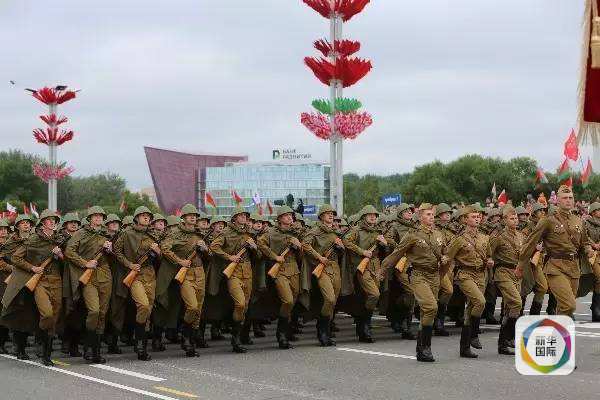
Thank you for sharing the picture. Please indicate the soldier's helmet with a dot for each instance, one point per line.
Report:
(189, 209)
(94, 210)
(112, 218)
(284, 210)
(368, 209)
(325, 208)
(442, 208)
(173, 220)
(142, 210)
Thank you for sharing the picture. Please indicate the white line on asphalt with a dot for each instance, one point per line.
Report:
(590, 334)
(92, 379)
(376, 353)
(130, 373)
(588, 325)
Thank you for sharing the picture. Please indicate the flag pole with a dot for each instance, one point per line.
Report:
(52, 185)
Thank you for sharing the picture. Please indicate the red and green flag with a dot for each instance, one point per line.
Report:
(208, 199)
(564, 173)
(585, 175)
(541, 176)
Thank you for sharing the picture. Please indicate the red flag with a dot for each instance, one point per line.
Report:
(564, 171)
(123, 206)
(269, 207)
(236, 197)
(178, 212)
(503, 198)
(585, 175)
(572, 147)
(208, 199)
(260, 210)
(541, 176)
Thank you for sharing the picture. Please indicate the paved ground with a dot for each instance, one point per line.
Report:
(383, 370)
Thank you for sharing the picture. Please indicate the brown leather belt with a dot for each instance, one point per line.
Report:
(563, 256)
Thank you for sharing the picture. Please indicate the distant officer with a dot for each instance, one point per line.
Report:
(564, 237)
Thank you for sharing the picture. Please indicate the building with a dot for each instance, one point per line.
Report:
(178, 176)
(271, 181)
(151, 193)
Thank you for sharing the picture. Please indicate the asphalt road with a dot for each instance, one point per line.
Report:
(386, 369)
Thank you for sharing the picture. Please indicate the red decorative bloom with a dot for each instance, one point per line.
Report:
(318, 124)
(347, 70)
(348, 125)
(53, 120)
(344, 48)
(46, 172)
(346, 8)
(52, 96)
(52, 135)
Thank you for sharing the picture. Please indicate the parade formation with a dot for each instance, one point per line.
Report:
(146, 278)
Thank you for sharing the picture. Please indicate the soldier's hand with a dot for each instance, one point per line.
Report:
(185, 263)
(295, 242)
(37, 270)
(251, 243)
(339, 243)
(107, 245)
(382, 240)
(489, 263)
(323, 260)
(56, 251)
(519, 272)
(91, 264)
(368, 253)
(202, 245)
(136, 267)
(280, 259)
(445, 259)
(155, 248)
(596, 246)
(539, 247)
(235, 259)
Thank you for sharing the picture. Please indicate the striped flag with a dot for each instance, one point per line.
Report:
(585, 175)
(236, 197)
(208, 199)
(541, 176)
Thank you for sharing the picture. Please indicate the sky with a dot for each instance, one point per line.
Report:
(449, 78)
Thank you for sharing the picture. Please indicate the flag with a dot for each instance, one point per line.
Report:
(260, 209)
(256, 199)
(123, 205)
(208, 199)
(33, 209)
(25, 209)
(540, 176)
(494, 193)
(178, 212)
(585, 175)
(503, 198)
(571, 150)
(564, 171)
(269, 207)
(10, 208)
(236, 197)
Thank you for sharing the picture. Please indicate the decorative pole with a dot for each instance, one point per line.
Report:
(338, 118)
(52, 137)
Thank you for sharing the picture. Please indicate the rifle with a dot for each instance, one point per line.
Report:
(593, 258)
(536, 258)
(320, 267)
(401, 264)
(233, 265)
(275, 268)
(362, 266)
(35, 279)
(87, 274)
(180, 276)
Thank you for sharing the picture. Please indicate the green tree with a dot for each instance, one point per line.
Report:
(18, 184)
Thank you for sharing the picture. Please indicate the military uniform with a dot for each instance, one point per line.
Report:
(5, 271)
(537, 280)
(446, 281)
(592, 227)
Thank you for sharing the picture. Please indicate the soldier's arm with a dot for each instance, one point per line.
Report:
(349, 242)
(390, 237)
(586, 243)
(118, 249)
(216, 247)
(4, 266)
(18, 259)
(71, 253)
(263, 243)
(307, 247)
(531, 242)
(166, 249)
(400, 251)
(453, 248)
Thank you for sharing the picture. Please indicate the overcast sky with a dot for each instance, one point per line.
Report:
(487, 77)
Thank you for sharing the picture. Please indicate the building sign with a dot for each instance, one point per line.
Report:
(391, 199)
(290, 154)
(310, 210)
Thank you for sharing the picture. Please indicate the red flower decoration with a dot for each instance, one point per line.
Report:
(347, 70)
(346, 8)
(52, 96)
(46, 172)
(344, 48)
(53, 120)
(348, 125)
(52, 135)
(318, 124)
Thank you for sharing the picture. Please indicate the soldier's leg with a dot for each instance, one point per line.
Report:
(370, 286)
(92, 303)
(284, 292)
(561, 288)
(445, 293)
(595, 307)
(237, 291)
(511, 295)
(474, 309)
(426, 293)
(326, 286)
(490, 294)
(540, 288)
(118, 306)
(143, 310)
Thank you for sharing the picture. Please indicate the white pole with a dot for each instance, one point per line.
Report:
(52, 186)
(333, 175)
(340, 142)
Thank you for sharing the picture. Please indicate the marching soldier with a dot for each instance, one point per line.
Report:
(443, 215)
(505, 247)
(539, 284)
(424, 248)
(564, 237)
(39, 254)
(118, 296)
(232, 245)
(365, 242)
(523, 215)
(5, 271)
(592, 226)
(85, 251)
(281, 246)
(136, 249)
(469, 251)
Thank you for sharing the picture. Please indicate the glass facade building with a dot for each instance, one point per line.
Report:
(308, 182)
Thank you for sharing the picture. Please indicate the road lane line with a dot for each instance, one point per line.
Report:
(177, 392)
(129, 373)
(376, 353)
(62, 364)
(92, 379)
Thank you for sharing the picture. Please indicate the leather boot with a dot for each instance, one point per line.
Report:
(157, 336)
(439, 328)
(188, 339)
(474, 336)
(20, 341)
(489, 310)
(113, 344)
(536, 308)
(96, 357)
(595, 307)
(322, 331)
(465, 343)
(256, 328)
(46, 340)
(3, 339)
(65, 341)
(88, 345)
(39, 345)
(503, 338)
(424, 344)
(73, 344)
(215, 331)
(200, 341)
(283, 330)
(551, 307)
(236, 326)
(141, 341)
(366, 336)
(245, 333)
(406, 329)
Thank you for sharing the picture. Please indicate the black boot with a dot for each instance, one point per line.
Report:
(536, 308)
(257, 331)
(88, 345)
(551, 307)
(96, 357)
(236, 326)
(46, 340)
(323, 327)
(595, 307)
(200, 341)
(3, 339)
(504, 337)
(141, 341)
(73, 344)
(490, 308)
(157, 336)
(215, 331)
(20, 341)
(283, 330)
(245, 333)
(440, 320)
(396, 322)
(406, 329)
(474, 336)
(465, 342)
(39, 343)
(424, 344)
(65, 341)
(172, 335)
(366, 336)
(113, 344)
(188, 339)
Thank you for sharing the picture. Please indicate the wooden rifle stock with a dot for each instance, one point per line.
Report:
(35, 279)
(401, 264)
(133, 273)
(180, 276)
(232, 266)
(275, 268)
(8, 278)
(87, 274)
(319, 268)
(535, 260)
(593, 258)
(365, 261)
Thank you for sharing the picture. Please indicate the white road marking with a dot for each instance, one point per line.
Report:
(92, 379)
(376, 353)
(588, 325)
(130, 373)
